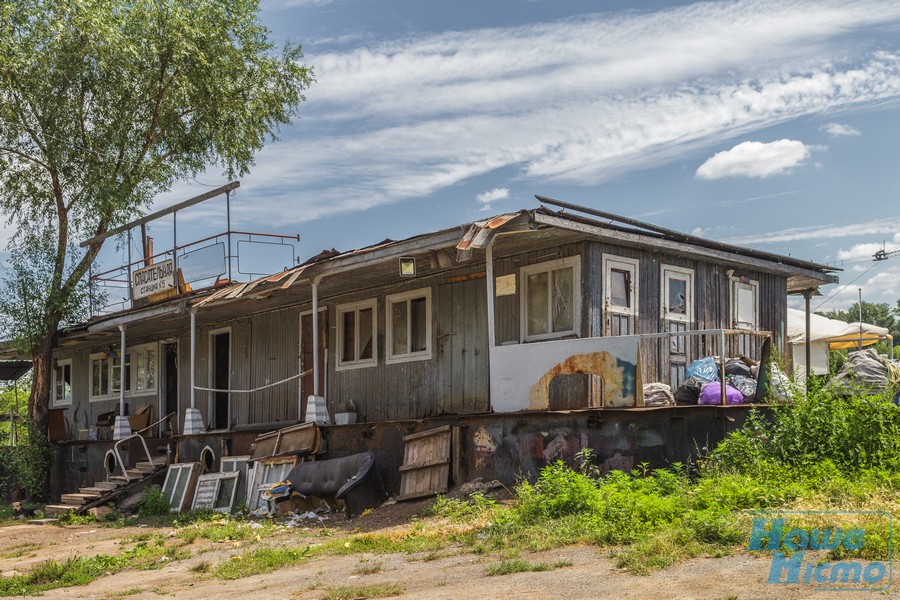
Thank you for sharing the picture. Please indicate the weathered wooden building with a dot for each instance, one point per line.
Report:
(530, 311)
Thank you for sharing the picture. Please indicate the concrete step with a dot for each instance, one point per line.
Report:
(59, 510)
(78, 499)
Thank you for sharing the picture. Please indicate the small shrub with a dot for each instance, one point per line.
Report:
(518, 565)
(154, 504)
(362, 592)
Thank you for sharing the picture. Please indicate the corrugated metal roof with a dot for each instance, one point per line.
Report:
(479, 233)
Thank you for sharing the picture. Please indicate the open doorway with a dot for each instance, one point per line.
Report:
(170, 384)
(220, 374)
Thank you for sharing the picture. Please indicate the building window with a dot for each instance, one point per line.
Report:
(62, 383)
(677, 294)
(409, 326)
(144, 359)
(100, 368)
(620, 296)
(356, 335)
(551, 299)
(117, 372)
(140, 372)
(744, 303)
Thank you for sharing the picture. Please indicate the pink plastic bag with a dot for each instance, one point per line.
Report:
(712, 394)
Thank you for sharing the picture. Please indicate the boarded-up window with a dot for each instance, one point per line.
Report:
(745, 304)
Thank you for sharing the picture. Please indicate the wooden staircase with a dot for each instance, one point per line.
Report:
(105, 491)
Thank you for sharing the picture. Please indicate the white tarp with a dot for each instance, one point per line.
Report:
(822, 331)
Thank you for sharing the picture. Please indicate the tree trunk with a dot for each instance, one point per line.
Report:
(39, 400)
(42, 368)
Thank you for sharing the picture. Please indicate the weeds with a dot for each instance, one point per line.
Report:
(52, 574)
(361, 592)
(258, 561)
(366, 567)
(508, 567)
(154, 504)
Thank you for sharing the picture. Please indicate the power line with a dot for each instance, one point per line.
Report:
(845, 286)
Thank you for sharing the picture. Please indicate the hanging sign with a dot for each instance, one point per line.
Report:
(153, 279)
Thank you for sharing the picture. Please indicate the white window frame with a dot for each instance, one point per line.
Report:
(621, 263)
(407, 297)
(737, 284)
(133, 352)
(553, 265)
(62, 362)
(91, 359)
(132, 391)
(342, 309)
(670, 272)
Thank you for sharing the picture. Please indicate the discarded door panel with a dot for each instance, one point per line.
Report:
(426, 463)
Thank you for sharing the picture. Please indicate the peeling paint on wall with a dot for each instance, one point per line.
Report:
(612, 363)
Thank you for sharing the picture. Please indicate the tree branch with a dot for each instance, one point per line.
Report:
(25, 156)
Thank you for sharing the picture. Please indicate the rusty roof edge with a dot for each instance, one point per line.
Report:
(654, 231)
(597, 229)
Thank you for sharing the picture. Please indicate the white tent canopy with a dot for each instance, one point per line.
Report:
(825, 332)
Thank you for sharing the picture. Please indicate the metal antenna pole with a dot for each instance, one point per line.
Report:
(130, 295)
(228, 216)
(860, 320)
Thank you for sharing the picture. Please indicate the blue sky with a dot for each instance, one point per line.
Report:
(774, 125)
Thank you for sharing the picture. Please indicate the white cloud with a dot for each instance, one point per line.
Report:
(755, 159)
(492, 195)
(840, 130)
(574, 101)
(868, 250)
(795, 234)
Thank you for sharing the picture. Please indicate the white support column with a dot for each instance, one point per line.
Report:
(121, 427)
(316, 408)
(492, 329)
(193, 420)
(489, 273)
(315, 334)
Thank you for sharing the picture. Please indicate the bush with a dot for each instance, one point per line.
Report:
(154, 504)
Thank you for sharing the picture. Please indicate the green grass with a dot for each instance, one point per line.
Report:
(53, 574)
(258, 561)
(361, 592)
(508, 567)
(366, 567)
(20, 550)
(216, 527)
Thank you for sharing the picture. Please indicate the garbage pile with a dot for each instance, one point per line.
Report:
(866, 371)
(702, 385)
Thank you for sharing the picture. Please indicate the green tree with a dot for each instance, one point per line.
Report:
(103, 105)
(13, 406)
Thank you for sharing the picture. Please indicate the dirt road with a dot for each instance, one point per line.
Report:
(450, 574)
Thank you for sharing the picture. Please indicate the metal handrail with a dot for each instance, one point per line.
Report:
(155, 423)
(119, 455)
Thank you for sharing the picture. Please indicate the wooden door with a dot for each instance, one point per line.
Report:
(676, 314)
(461, 346)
